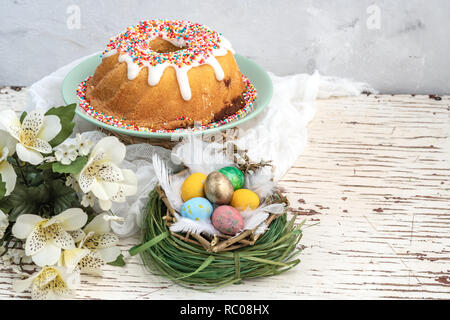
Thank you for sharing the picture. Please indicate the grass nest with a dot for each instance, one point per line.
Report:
(193, 266)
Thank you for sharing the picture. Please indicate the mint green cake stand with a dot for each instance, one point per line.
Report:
(256, 74)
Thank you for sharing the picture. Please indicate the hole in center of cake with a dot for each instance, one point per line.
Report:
(163, 46)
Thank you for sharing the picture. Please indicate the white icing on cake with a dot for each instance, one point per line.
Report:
(155, 72)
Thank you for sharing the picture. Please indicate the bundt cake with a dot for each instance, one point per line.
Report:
(164, 75)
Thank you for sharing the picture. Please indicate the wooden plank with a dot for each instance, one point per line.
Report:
(375, 176)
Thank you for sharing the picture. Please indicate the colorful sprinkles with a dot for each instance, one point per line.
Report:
(198, 42)
(249, 95)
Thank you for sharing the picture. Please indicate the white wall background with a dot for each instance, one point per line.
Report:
(406, 51)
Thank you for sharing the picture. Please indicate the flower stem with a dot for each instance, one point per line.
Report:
(6, 247)
(20, 170)
(21, 265)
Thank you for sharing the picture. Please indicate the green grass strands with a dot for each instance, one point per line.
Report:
(192, 266)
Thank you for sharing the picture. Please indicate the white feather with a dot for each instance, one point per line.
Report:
(260, 182)
(171, 184)
(200, 156)
(183, 224)
(254, 218)
(262, 228)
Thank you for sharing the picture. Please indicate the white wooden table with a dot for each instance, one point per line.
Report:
(375, 175)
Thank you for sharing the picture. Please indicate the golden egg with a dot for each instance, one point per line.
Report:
(244, 199)
(193, 186)
(218, 189)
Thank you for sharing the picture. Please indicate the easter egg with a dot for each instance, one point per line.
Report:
(197, 209)
(218, 189)
(193, 186)
(244, 199)
(227, 220)
(235, 176)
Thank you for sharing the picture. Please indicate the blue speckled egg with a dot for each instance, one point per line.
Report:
(197, 209)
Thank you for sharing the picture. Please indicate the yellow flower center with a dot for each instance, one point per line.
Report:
(43, 282)
(92, 242)
(95, 167)
(27, 137)
(46, 274)
(41, 224)
(49, 232)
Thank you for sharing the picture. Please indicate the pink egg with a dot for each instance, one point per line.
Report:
(227, 220)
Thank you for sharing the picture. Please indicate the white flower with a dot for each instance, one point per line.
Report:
(18, 270)
(84, 145)
(32, 134)
(77, 258)
(88, 200)
(99, 238)
(97, 247)
(14, 260)
(18, 255)
(46, 237)
(7, 173)
(66, 153)
(102, 176)
(3, 223)
(50, 159)
(49, 283)
(6, 260)
(113, 217)
(69, 181)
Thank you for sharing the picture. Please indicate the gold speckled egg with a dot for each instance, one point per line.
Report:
(244, 199)
(218, 189)
(193, 186)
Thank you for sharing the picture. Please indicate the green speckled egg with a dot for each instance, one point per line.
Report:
(197, 209)
(235, 176)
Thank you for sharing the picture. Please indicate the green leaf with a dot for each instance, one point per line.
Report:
(22, 116)
(5, 205)
(65, 115)
(27, 200)
(119, 262)
(64, 197)
(34, 178)
(45, 166)
(2, 187)
(73, 168)
(49, 198)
